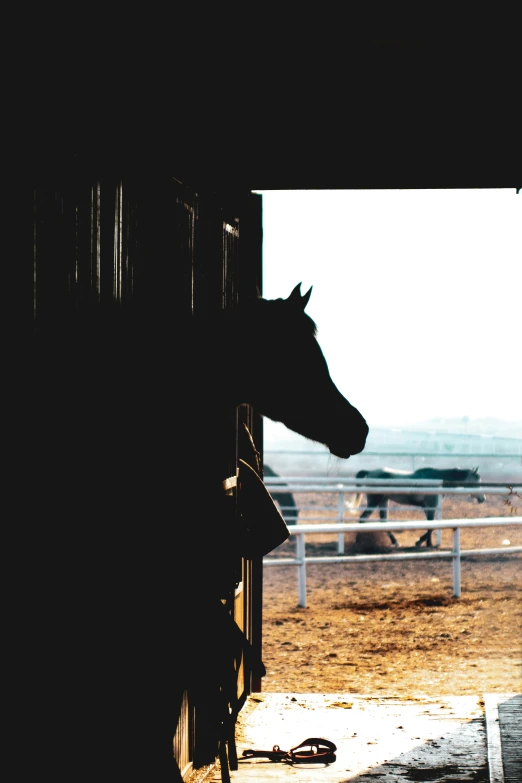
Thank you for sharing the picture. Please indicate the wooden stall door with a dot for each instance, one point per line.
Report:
(111, 254)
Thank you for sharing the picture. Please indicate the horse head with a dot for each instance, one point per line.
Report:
(288, 378)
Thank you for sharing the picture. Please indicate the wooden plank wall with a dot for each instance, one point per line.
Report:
(145, 251)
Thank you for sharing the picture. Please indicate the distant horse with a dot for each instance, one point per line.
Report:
(451, 477)
(285, 500)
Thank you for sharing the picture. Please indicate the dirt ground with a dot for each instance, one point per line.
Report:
(394, 628)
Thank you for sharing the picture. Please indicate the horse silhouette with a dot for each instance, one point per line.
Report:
(451, 477)
(323, 414)
(285, 500)
(133, 433)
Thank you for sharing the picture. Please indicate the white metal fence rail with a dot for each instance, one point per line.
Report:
(341, 527)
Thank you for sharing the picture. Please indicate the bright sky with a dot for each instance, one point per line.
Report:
(417, 295)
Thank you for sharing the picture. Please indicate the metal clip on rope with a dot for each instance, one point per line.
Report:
(310, 751)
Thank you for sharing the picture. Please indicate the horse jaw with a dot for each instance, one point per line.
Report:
(336, 423)
(344, 441)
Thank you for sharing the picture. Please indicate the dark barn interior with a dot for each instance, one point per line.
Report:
(121, 269)
(141, 224)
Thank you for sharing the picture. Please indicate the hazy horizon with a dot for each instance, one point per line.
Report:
(276, 433)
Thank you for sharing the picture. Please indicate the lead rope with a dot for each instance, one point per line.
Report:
(310, 751)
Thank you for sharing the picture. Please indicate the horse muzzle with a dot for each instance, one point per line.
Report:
(349, 446)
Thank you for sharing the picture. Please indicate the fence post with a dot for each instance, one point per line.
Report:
(438, 517)
(340, 519)
(456, 562)
(301, 570)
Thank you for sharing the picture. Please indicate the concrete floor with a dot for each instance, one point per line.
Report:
(442, 739)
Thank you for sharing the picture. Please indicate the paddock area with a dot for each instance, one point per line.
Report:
(384, 645)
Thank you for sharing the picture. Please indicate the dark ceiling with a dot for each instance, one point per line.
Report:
(386, 113)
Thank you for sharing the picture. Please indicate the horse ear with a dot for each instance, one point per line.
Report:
(306, 297)
(300, 300)
(475, 470)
